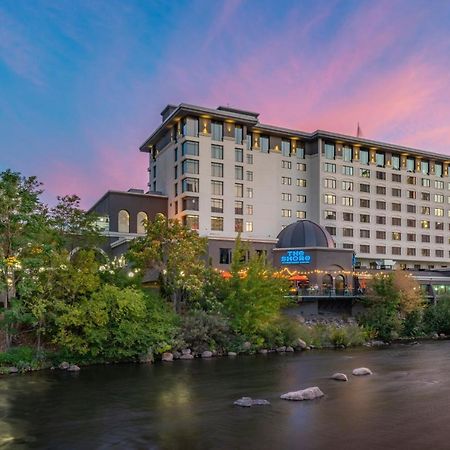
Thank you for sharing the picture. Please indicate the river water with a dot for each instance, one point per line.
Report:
(189, 404)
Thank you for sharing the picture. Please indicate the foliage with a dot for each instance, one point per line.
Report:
(283, 331)
(22, 358)
(436, 318)
(322, 335)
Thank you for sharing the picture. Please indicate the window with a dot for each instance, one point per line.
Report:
(438, 184)
(396, 222)
(176, 206)
(381, 249)
(190, 166)
(286, 180)
(238, 190)
(364, 203)
(286, 213)
(347, 201)
(225, 255)
(439, 225)
(216, 205)
(379, 159)
(425, 252)
(248, 227)
(123, 224)
(425, 224)
(286, 164)
(331, 230)
(189, 148)
(238, 207)
(238, 155)
(411, 251)
(381, 205)
(347, 232)
(426, 238)
(347, 185)
(264, 144)
(249, 192)
(347, 246)
(301, 167)
(396, 236)
(301, 182)
(249, 210)
(438, 198)
(410, 164)
(216, 131)
(329, 199)
(347, 170)
(330, 151)
(396, 251)
(216, 187)
(329, 167)
(381, 234)
(425, 196)
(364, 218)
(249, 175)
(190, 126)
(411, 223)
(395, 159)
(380, 175)
(425, 166)
(329, 183)
(381, 220)
(238, 172)
(381, 190)
(364, 187)
(396, 192)
(301, 198)
(216, 151)
(347, 153)
(175, 172)
(364, 234)
(411, 194)
(411, 237)
(216, 169)
(191, 221)
(426, 182)
(411, 209)
(396, 178)
(439, 253)
(216, 223)
(329, 215)
(238, 134)
(396, 207)
(439, 212)
(300, 150)
(286, 147)
(364, 156)
(364, 173)
(286, 196)
(300, 214)
(249, 158)
(411, 180)
(238, 225)
(175, 154)
(438, 169)
(364, 248)
(190, 203)
(348, 217)
(189, 185)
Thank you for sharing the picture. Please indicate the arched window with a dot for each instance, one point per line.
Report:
(124, 221)
(141, 221)
(340, 285)
(327, 283)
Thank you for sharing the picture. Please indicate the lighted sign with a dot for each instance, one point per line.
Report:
(295, 257)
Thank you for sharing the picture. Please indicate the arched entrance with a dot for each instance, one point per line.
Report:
(327, 283)
(340, 285)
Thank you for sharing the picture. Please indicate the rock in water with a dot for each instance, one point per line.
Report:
(281, 349)
(310, 393)
(73, 368)
(207, 354)
(186, 356)
(289, 349)
(13, 370)
(186, 351)
(362, 371)
(301, 344)
(64, 365)
(247, 402)
(339, 376)
(167, 357)
(232, 354)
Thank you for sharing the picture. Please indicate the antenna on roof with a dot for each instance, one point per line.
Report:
(359, 131)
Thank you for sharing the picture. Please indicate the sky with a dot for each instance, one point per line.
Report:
(82, 83)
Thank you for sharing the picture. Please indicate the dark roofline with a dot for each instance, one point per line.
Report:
(139, 194)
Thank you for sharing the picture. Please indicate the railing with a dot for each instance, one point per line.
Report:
(328, 292)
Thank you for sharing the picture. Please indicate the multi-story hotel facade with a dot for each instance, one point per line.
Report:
(224, 172)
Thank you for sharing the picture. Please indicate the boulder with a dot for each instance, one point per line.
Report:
(176, 355)
(64, 365)
(247, 345)
(186, 351)
(167, 357)
(310, 393)
(361, 371)
(247, 402)
(281, 349)
(232, 354)
(186, 356)
(263, 351)
(339, 376)
(442, 336)
(289, 349)
(73, 368)
(435, 336)
(13, 370)
(301, 344)
(207, 354)
(378, 344)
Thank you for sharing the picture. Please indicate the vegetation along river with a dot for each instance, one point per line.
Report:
(189, 404)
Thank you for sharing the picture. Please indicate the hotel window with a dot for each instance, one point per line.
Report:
(347, 153)
(364, 234)
(364, 187)
(331, 230)
(190, 203)
(264, 144)
(301, 182)
(216, 187)
(238, 134)
(364, 203)
(249, 175)
(380, 234)
(154, 186)
(175, 154)
(411, 180)
(286, 180)
(438, 212)
(396, 192)
(286, 213)
(330, 151)
(364, 173)
(439, 239)
(379, 159)
(329, 167)
(411, 194)
(216, 205)
(225, 255)
(411, 237)
(248, 227)
(381, 190)
(216, 152)
(238, 190)
(396, 178)
(216, 223)
(329, 199)
(301, 167)
(301, 198)
(425, 167)
(347, 232)
(381, 249)
(425, 224)
(439, 226)
(364, 156)
(238, 155)
(175, 172)
(411, 223)
(300, 214)
(191, 221)
(249, 192)
(347, 201)
(123, 220)
(364, 248)
(396, 236)
(426, 238)
(380, 175)
(396, 221)
(381, 220)
(425, 252)
(426, 196)
(410, 164)
(216, 131)
(286, 196)
(329, 183)
(176, 207)
(189, 185)
(395, 159)
(249, 210)
(189, 148)
(396, 251)
(347, 170)
(347, 246)
(238, 207)
(381, 205)
(348, 217)
(439, 253)
(286, 164)
(300, 150)
(411, 251)
(154, 171)
(249, 158)
(364, 218)
(426, 182)
(438, 169)
(329, 215)
(190, 127)
(411, 209)
(285, 147)
(175, 186)
(238, 225)
(216, 170)
(238, 172)
(438, 184)
(248, 141)
(438, 198)
(189, 166)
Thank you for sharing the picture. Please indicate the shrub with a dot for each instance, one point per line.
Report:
(436, 318)
(22, 358)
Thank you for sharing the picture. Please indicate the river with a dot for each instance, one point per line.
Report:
(189, 404)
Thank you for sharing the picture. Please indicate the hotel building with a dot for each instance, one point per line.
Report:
(224, 172)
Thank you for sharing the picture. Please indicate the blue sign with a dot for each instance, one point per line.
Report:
(295, 257)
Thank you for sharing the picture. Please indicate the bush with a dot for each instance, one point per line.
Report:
(436, 318)
(22, 358)
(412, 324)
(331, 335)
(382, 321)
(282, 332)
